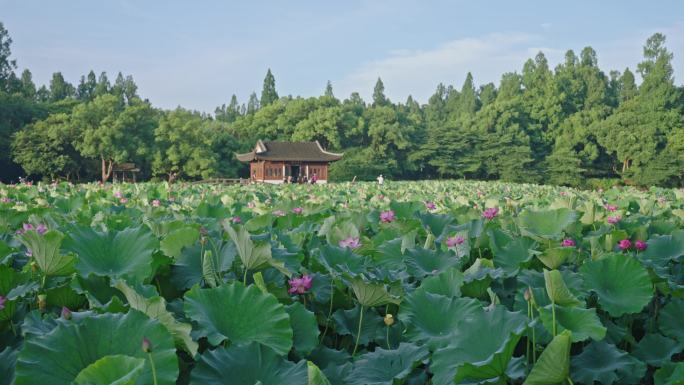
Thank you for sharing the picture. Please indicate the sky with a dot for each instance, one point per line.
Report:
(196, 54)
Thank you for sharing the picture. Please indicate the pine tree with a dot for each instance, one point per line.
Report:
(379, 98)
(329, 90)
(268, 92)
(28, 88)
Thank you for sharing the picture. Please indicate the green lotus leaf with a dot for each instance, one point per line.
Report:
(115, 254)
(340, 231)
(387, 367)
(583, 323)
(347, 323)
(155, 308)
(434, 319)
(423, 262)
(447, 283)
(553, 366)
(253, 255)
(65, 296)
(621, 282)
(13, 286)
(546, 224)
(8, 358)
(664, 248)
(556, 256)
(112, 370)
(335, 364)
(603, 363)
(436, 223)
(249, 364)
(338, 260)
(58, 357)
(556, 289)
(45, 250)
(482, 350)
(240, 314)
(671, 373)
(188, 269)
(315, 375)
(173, 243)
(510, 251)
(656, 349)
(371, 294)
(670, 319)
(304, 327)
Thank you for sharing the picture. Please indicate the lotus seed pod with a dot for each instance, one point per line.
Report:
(389, 320)
(42, 302)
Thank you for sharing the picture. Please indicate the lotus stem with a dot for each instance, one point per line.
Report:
(387, 337)
(570, 381)
(244, 277)
(327, 319)
(553, 313)
(154, 369)
(358, 332)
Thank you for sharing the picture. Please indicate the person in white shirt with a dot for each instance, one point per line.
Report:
(381, 180)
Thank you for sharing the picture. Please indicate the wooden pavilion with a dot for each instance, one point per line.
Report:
(278, 162)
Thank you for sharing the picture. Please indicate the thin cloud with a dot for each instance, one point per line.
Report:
(417, 73)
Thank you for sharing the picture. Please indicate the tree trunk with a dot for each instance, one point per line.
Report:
(106, 169)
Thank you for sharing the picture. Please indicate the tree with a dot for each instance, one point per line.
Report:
(59, 88)
(28, 88)
(329, 90)
(253, 103)
(184, 146)
(86, 87)
(7, 66)
(628, 88)
(103, 87)
(45, 148)
(379, 98)
(112, 133)
(268, 92)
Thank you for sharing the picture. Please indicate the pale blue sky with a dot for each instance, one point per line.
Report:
(197, 53)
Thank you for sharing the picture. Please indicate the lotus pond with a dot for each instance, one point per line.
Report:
(406, 283)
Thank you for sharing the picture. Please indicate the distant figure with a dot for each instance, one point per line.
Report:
(381, 180)
(289, 179)
(314, 178)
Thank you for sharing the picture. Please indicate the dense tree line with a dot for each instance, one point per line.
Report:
(571, 125)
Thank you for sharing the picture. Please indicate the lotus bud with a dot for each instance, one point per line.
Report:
(146, 345)
(34, 266)
(389, 320)
(527, 294)
(66, 313)
(42, 302)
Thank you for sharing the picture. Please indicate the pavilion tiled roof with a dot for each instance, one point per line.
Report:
(289, 151)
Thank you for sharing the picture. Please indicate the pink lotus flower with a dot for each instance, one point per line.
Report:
(613, 220)
(351, 242)
(251, 205)
(640, 245)
(2, 302)
(387, 216)
(625, 244)
(568, 242)
(29, 253)
(279, 213)
(610, 207)
(454, 241)
(66, 313)
(662, 200)
(381, 196)
(297, 210)
(236, 219)
(41, 229)
(563, 193)
(118, 194)
(300, 285)
(123, 200)
(5, 200)
(156, 203)
(24, 228)
(430, 205)
(490, 213)
(146, 345)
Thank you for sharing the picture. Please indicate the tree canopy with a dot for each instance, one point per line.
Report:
(573, 124)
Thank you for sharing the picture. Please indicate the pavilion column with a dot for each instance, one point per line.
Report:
(307, 171)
